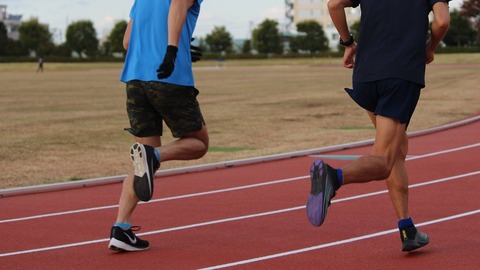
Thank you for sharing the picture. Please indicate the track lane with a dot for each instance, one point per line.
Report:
(284, 231)
(228, 204)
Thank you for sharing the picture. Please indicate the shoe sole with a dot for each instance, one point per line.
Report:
(410, 245)
(143, 182)
(318, 202)
(119, 246)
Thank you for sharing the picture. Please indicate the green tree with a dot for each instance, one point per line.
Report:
(105, 49)
(266, 38)
(471, 9)
(294, 44)
(219, 40)
(3, 39)
(115, 39)
(82, 38)
(247, 47)
(355, 30)
(314, 38)
(62, 50)
(35, 37)
(202, 44)
(15, 48)
(460, 32)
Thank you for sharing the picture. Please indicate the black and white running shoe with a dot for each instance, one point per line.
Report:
(145, 164)
(125, 240)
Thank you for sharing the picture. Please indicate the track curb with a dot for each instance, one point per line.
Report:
(219, 165)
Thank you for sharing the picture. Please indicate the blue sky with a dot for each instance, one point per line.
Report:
(237, 16)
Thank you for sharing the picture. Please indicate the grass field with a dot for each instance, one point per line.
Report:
(67, 123)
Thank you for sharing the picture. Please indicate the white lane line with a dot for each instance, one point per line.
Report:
(336, 243)
(228, 219)
(351, 157)
(213, 191)
(155, 232)
(157, 200)
(445, 151)
(213, 166)
(410, 186)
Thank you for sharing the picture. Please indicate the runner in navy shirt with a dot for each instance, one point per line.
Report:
(388, 74)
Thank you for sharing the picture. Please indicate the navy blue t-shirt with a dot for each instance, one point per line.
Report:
(393, 39)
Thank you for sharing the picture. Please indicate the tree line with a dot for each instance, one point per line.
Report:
(82, 42)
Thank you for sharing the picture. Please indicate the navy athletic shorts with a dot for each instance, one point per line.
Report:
(392, 98)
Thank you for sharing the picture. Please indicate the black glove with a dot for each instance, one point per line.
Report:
(195, 52)
(166, 68)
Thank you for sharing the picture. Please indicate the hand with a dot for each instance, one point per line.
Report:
(430, 56)
(349, 56)
(195, 52)
(168, 64)
(430, 53)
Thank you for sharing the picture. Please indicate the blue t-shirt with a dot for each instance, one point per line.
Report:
(393, 35)
(149, 41)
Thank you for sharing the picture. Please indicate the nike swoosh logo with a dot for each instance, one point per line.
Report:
(134, 240)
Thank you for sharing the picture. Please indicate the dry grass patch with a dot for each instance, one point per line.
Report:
(67, 123)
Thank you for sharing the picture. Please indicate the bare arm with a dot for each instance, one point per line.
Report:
(337, 13)
(440, 26)
(176, 19)
(126, 36)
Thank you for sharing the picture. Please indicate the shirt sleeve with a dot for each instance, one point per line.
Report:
(433, 2)
(132, 11)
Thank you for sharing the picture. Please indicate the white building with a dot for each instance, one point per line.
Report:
(317, 10)
(11, 22)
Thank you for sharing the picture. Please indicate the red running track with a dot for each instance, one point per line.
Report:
(253, 217)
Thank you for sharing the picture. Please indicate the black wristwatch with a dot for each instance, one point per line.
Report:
(349, 42)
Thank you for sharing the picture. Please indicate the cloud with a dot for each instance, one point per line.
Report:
(104, 26)
(276, 13)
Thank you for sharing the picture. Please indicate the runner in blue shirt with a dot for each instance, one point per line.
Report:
(160, 88)
(388, 74)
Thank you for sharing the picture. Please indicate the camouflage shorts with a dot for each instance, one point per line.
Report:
(149, 104)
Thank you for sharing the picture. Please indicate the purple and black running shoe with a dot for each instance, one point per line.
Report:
(324, 184)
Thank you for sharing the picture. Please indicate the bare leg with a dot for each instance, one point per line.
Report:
(390, 151)
(397, 181)
(193, 146)
(390, 135)
(128, 201)
(397, 184)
